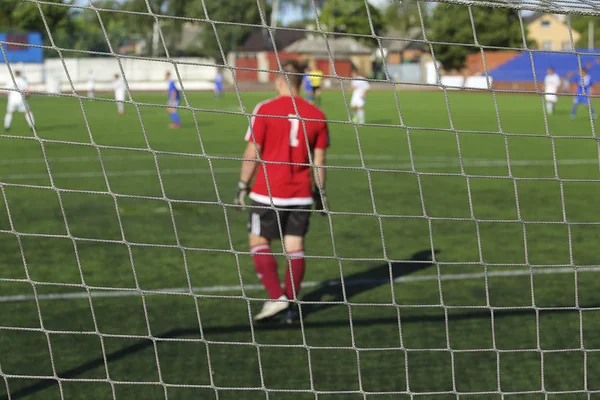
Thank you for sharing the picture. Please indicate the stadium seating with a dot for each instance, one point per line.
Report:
(519, 69)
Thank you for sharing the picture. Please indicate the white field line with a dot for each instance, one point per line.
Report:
(309, 284)
(148, 156)
(350, 157)
(480, 163)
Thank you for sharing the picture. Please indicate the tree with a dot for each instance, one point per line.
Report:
(493, 26)
(27, 17)
(581, 24)
(350, 16)
(404, 15)
(228, 35)
(90, 35)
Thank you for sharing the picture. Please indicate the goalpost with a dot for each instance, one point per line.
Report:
(389, 299)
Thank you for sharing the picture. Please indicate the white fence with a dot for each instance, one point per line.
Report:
(195, 73)
(470, 82)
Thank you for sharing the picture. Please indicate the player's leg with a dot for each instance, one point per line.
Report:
(549, 104)
(576, 102)
(263, 226)
(8, 116)
(120, 107)
(354, 116)
(293, 240)
(174, 115)
(29, 119)
(317, 96)
(594, 115)
(24, 108)
(309, 96)
(360, 115)
(296, 230)
(7, 120)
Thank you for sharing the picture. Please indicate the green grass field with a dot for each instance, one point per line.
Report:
(477, 321)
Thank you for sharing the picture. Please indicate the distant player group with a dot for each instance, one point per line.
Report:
(359, 87)
(311, 80)
(553, 82)
(120, 88)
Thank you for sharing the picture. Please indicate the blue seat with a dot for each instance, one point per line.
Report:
(520, 68)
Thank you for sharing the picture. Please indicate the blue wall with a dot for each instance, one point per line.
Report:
(520, 68)
(17, 53)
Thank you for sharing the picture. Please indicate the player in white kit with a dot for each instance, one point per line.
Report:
(16, 101)
(551, 85)
(119, 86)
(359, 92)
(91, 85)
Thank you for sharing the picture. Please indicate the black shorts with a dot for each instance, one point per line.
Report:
(264, 221)
(315, 88)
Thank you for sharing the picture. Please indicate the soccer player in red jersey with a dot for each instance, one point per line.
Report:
(285, 135)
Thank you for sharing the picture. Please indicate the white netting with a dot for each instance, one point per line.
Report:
(375, 322)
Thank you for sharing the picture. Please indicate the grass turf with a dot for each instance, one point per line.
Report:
(430, 179)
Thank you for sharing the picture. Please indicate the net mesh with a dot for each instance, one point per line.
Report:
(470, 325)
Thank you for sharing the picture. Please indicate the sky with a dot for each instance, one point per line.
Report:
(291, 15)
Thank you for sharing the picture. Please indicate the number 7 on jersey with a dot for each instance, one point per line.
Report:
(294, 128)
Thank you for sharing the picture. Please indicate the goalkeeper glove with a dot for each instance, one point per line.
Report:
(320, 201)
(240, 195)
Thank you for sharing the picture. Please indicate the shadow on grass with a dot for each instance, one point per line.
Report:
(354, 285)
(363, 281)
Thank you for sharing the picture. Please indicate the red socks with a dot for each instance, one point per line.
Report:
(296, 271)
(266, 269)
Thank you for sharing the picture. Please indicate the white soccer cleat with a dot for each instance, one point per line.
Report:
(271, 308)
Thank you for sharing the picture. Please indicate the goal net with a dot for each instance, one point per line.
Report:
(457, 257)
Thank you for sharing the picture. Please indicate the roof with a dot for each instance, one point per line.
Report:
(529, 18)
(338, 46)
(260, 40)
(400, 41)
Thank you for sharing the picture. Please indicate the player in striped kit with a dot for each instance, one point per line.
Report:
(283, 196)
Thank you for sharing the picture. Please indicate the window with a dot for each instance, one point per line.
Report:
(545, 23)
(566, 45)
(547, 45)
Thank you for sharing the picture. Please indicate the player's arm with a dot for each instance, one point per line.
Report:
(254, 138)
(319, 171)
(250, 162)
(247, 172)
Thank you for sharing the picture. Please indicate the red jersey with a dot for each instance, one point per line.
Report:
(284, 145)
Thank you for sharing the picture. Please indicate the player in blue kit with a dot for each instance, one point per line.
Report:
(308, 88)
(174, 99)
(218, 90)
(584, 89)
